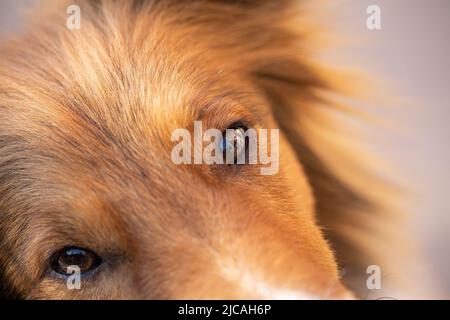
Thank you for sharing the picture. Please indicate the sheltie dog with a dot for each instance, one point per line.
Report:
(87, 180)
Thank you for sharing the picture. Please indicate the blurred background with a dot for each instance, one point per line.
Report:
(412, 51)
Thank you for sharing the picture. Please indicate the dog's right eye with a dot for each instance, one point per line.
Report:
(234, 142)
(72, 258)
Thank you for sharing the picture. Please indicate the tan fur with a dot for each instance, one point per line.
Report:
(86, 118)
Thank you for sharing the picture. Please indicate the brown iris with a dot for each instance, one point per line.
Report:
(73, 257)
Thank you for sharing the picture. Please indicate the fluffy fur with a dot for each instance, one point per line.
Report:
(86, 117)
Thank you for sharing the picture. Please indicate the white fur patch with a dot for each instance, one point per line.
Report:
(253, 285)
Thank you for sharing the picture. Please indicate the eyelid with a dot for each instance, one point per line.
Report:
(229, 121)
(223, 112)
(240, 124)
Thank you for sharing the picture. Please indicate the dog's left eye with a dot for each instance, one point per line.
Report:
(71, 258)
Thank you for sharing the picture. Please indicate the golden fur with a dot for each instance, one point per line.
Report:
(86, 117)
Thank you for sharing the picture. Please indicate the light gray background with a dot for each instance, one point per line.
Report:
(412, 50)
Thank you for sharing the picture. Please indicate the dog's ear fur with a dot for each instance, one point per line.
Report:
(342, 211)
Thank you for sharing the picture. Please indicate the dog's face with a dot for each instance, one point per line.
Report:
(87, 178)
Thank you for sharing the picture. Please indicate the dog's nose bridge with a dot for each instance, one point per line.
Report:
(256, 284)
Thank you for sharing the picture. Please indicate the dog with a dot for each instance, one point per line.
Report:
(86, 175)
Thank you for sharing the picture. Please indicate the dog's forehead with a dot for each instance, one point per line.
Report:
(134, 92)
(115, 127)
(109, 110)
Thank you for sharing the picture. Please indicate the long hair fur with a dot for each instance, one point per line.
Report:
(270, 42)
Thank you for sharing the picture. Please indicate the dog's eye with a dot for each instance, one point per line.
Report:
(234, 144)
(69, 259)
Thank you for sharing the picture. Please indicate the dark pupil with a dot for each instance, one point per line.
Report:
(75, 257)
(229, 145)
